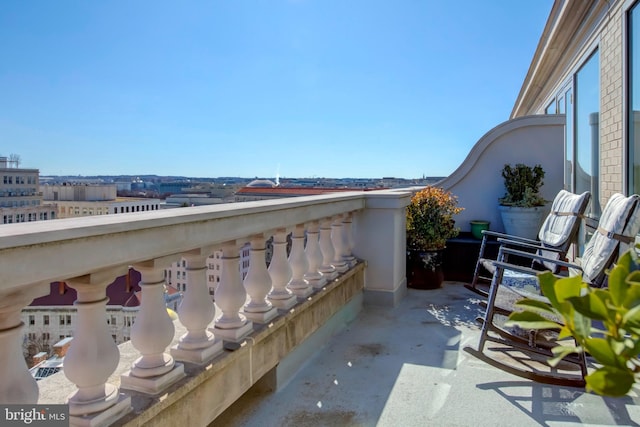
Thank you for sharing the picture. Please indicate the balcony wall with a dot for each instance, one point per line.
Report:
(478, 181)
(196, 366)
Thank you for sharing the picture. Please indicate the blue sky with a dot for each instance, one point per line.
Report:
(303, 88)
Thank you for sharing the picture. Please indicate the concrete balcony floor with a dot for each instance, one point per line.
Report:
(406, 367)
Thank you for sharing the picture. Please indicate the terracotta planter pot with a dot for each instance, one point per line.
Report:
(424, 269)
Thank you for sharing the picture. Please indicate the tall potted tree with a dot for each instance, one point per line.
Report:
(430, 223)
(522, 208)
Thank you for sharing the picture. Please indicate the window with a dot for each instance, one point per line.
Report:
(579, 100)
(62, 319)
(587, 131)
(551, 108)
(633, 99)
(32, 319)
(45, 319)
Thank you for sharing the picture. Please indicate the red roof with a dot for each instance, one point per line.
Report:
(118, 292)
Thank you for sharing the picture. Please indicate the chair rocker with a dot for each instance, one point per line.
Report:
(524, 353)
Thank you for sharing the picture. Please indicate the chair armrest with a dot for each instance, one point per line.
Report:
(509, 242)
(509, 237)
(512, 267)
(510, 251)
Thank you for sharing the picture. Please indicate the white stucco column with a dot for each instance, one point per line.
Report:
(326, 246)
(299, 264)
(151, 334)
(93, 355)
(280, 273)
(337, 240)
(231, 325)
(17, 385)
(196, 312)
(257, 283)
(347, 239)
(314, 257)
(380, 240)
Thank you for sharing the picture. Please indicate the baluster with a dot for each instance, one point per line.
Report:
(347, 242)
(93, 355)
(299, 265)
(327, 268)
(258, 284)
(314, 257)
(151, 334)
(230, 297)
(17, 385)
(196, 311)
(280, 273)
(336, 239)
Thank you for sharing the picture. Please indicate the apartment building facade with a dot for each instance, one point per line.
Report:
(587, 68)
(20, 197)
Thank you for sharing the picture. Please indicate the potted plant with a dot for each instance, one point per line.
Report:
(429, 224)
(522, 208)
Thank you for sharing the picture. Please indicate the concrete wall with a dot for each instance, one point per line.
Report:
(478, 182)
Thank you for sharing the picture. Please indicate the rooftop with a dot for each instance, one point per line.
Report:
(406, 367)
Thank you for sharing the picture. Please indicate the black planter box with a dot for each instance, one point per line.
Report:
(461, 255)
(462, 252)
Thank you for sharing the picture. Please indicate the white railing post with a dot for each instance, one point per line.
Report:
(337, 241)
(280, 273)
(299, 265)
(347, 241)
(151, 334)
(196, 311)
(230, 296)
(258, 284)
(327, 268)
(17, 384)
(380, 240)
(314, 257)
(93, 355)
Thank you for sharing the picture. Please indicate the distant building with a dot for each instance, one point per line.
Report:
(263, 189)
(75, 200)
(20, 198)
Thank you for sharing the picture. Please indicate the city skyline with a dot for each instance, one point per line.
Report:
(287, 88)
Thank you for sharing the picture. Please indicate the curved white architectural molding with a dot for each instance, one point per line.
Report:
(477, 182)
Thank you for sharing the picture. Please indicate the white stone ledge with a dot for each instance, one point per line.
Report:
(46, 251)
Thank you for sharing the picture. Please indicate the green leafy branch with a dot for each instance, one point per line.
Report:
(603, 322)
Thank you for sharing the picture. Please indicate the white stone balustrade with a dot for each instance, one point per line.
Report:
(326, 246)
(151, 334)
(280, 273)
(196, 312)
(93, 356)
(231, 325)
(299, 264)
(314, 256)
(257, 283)
(93, 251)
